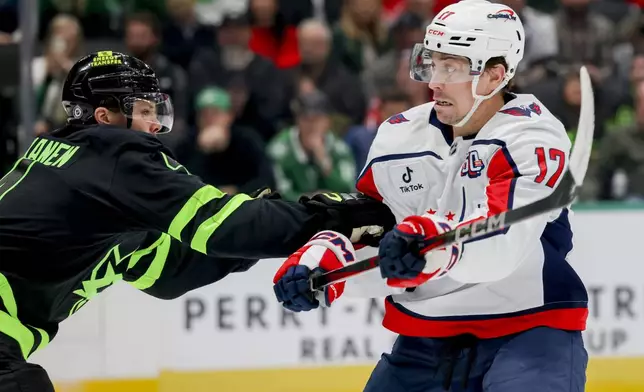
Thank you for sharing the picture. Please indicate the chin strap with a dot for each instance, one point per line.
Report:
(478, 99)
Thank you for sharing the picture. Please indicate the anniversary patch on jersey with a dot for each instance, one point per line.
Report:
(473, 165)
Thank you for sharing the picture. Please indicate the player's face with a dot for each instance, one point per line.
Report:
(144, 117)
(452, 87)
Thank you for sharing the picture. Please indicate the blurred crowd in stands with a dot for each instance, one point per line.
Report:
(290, 93)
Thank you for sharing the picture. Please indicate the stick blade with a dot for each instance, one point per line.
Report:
(580, 155)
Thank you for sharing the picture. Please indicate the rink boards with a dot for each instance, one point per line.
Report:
(233, 336)
(605, 375)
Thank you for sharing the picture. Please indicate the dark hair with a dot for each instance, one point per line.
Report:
(493, 62)
(148, 19)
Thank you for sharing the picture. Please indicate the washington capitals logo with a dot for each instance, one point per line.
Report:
(506, 14)
(523, 111)
(397, 119)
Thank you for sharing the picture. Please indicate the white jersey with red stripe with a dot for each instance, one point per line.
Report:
(508, 282)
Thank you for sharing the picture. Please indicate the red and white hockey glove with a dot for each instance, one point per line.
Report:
(326, 251)
(403, 260)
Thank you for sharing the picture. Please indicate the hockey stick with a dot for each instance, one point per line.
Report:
(562, 196)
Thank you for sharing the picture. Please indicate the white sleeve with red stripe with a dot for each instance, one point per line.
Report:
(520, 172)
(373, 180)
(371, 284)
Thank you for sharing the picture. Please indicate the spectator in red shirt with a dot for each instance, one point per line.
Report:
(272, 37)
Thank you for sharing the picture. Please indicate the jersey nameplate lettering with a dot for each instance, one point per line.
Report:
(52, 153)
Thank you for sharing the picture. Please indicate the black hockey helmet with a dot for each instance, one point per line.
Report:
(115, 81)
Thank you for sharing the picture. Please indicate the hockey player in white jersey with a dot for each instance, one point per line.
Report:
(500, 314)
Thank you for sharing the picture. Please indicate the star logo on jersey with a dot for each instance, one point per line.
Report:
(473, 165)
(450, 216)
(523, 111)
(397, 119)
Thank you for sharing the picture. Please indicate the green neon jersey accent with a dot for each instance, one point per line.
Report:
(192, 206)
(172, 164)
(136, 256)
(208, 227)
(11, 326)
(14, 328)
(6, 295)
(44, 339)
(13, 178)
(156, 266)
(94, 283)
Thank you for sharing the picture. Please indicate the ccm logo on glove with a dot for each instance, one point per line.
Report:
(326, 251)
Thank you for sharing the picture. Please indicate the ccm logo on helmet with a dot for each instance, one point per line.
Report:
(434, 32)
(506, 14)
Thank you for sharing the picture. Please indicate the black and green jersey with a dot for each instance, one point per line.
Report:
(87, 207)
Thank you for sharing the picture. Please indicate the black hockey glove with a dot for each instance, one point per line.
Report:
(265, 193)
(363, 219)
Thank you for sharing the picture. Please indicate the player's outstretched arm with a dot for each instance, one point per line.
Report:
(166, 268)
(157, 193)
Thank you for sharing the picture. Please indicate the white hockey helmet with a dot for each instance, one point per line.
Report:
(477, 30)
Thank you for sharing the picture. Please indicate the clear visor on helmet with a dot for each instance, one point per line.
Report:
(436, 67)
(152, 111)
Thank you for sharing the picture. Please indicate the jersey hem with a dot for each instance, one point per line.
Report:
(404, 322)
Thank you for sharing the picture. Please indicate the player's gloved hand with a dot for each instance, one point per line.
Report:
(326, 251)
(265, 193)
(363, 219)
(404, 260)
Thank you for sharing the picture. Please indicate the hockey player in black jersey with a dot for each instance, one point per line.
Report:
(101, 200)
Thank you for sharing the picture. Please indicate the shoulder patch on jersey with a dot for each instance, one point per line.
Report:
(473, 165)
(397, 119)
(523, 110)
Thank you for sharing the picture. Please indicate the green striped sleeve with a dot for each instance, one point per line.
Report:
(161, 248)
(208, 226)
(191, 208)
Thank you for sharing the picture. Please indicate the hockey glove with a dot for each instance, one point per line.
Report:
(265, 193)
(326, 251)
(404, 261)
(363, 219)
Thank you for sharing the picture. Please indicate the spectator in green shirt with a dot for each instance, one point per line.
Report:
(308, 157)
